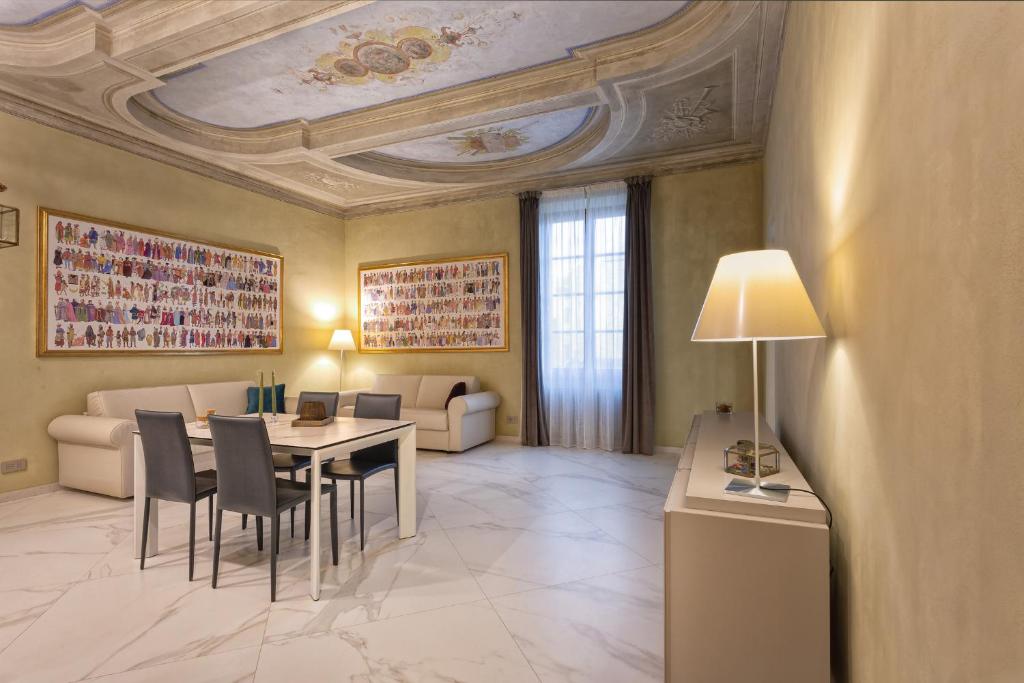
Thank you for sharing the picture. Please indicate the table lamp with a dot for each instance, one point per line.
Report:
(341, 341)
(756, 296)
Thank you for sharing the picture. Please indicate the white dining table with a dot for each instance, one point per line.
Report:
(336, 440)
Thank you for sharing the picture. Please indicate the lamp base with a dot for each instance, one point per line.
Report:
(744, 487)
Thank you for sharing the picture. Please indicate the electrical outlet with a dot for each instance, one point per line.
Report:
(9, 466)
(511, 419)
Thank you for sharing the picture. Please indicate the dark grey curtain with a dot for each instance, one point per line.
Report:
(638, 328)
(534, 430)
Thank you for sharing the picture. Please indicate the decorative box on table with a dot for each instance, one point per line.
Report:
(739, 459)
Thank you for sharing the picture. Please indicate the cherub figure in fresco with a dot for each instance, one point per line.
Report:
(467, 35)
(318, 76)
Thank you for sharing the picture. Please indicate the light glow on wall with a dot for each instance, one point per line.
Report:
(839, 139)
(325, 311)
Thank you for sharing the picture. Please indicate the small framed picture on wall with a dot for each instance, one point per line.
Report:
(454, 304)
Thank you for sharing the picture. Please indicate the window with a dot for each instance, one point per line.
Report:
(582, 254)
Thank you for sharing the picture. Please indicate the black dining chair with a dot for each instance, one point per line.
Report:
(366, 462)
(246, 483)
(171, 475)
(292, 464)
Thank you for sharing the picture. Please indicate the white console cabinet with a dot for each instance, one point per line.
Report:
(746, 581)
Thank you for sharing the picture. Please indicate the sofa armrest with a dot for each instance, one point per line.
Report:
(474, 403)
(88, 430)
(348, 398)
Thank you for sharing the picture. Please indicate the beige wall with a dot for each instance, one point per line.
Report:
(696, 217)
(45, 167)
(893, 176)
(482, 227)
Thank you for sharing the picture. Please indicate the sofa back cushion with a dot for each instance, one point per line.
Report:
(406, 385)
(434, 389)
(227, 398)
(121, 403)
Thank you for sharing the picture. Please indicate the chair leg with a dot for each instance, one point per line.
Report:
(191, 539)
(245, 521)
(210, 517)
(275, 533)
(216, 547)
(145, 533)
(351, 499)
(334, 524)
(292, 511)
(362, 515)
(259, 533)
(277, 537)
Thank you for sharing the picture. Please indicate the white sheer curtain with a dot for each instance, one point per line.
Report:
(582, 245)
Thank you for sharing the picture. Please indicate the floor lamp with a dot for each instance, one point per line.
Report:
(756, 296)
(341, 341)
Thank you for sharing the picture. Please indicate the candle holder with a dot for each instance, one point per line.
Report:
(273, 397)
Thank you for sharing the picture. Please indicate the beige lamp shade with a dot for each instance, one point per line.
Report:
(342, 340)
(757, 295)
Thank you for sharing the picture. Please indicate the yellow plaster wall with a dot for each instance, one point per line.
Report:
(894, 177)
(45, 167)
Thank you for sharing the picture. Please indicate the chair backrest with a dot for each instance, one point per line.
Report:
(381, 407)
(245, 465)
(328, 398)
(170, 471)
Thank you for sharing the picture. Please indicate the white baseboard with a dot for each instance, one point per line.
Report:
(668, 450)
(29, 492)
(505, 438)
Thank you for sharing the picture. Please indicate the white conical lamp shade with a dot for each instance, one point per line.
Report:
(757, 295)
(342, 340)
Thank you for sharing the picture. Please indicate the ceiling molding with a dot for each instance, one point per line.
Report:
(676, 163)
(52, 118)
(691, 91)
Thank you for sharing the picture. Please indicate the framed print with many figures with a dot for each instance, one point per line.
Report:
(454, 304)
(110, 288)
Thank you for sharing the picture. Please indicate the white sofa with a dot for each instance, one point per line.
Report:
(468, 421)
(94, 450)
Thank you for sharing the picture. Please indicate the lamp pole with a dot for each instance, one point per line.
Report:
(341, 370)
(757, 426)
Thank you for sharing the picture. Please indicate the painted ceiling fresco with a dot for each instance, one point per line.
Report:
(397, 104)
(505, 140)
(391, 50)
(23, 12)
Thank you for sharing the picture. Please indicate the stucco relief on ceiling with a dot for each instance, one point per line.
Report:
(355, 107)
(27, 12)
(505, 140)
(397, 49)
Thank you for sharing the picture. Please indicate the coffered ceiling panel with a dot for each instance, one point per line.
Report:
(389, 50)
(505, 140)
(354, 107)
(24, 12)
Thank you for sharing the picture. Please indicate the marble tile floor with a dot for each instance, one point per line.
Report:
(529, 564)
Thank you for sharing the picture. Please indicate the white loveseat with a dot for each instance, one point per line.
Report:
(94, 450)
(468, 420)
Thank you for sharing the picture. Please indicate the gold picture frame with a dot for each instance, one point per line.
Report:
(43, 273)
(502, 258)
